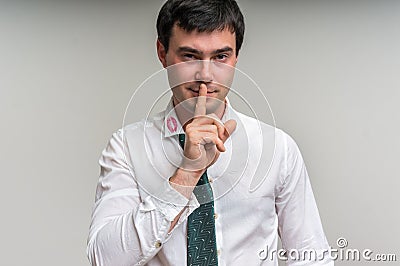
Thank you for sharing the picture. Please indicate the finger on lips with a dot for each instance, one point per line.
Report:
(200, 108)
(200, 112)
(208, 123)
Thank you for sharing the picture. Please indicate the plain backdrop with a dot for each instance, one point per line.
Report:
(330, 70)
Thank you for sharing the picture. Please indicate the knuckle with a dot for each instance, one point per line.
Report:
(188, 129)
(215, 117)
(190, 133)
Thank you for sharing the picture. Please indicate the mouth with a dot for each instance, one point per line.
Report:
(196, 91)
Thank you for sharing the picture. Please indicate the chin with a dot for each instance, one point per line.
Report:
(213, 104)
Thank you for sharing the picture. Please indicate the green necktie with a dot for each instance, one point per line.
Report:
(201, 240)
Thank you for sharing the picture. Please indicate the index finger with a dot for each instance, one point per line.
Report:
(200, 108)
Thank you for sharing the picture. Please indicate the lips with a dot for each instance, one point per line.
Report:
(196, 90)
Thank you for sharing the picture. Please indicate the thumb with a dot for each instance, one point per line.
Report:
(230, 126)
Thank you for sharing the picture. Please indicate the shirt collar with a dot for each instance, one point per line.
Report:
(172, 126)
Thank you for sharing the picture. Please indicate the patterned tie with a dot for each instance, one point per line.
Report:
(202, 244)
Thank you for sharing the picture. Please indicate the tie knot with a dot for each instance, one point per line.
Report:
(182, 140)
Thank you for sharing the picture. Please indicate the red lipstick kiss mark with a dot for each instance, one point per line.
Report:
(172, 124)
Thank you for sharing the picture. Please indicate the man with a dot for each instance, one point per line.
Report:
(174, 188)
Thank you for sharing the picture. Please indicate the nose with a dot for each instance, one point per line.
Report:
(204, 72)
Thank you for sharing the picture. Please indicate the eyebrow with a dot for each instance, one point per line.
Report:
(188, 49)
(223, 50)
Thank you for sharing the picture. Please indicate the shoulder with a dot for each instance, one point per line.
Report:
(152, 122)
(136, 130)
(281, 137)
(285, 147)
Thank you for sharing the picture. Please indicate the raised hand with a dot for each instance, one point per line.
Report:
(205, 137)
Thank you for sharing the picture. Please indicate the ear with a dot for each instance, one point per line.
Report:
(161, 53)
(237, 56)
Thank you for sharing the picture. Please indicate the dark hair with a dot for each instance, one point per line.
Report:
(200, 15)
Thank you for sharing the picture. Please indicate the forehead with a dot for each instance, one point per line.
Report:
(202, 41)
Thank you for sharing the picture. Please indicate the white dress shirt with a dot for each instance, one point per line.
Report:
(260, 185)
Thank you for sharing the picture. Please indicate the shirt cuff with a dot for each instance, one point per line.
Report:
(171, 203)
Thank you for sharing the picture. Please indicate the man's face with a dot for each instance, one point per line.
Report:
(217, 52)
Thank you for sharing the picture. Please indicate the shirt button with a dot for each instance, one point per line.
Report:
(218, 252)
(210, 179)
(215, 215)
(157, 244)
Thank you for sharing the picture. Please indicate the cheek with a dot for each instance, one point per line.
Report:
(169, 60)
(181, 73)
(224, 75)
(224, 92)
(180, 92)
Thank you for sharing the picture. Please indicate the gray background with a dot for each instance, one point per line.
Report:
(330, 70)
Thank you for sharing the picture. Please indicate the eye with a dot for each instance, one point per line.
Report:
(189, 56)
(221, 57)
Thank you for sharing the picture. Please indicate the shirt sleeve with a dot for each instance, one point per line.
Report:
(299, 222)
(127, 229)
